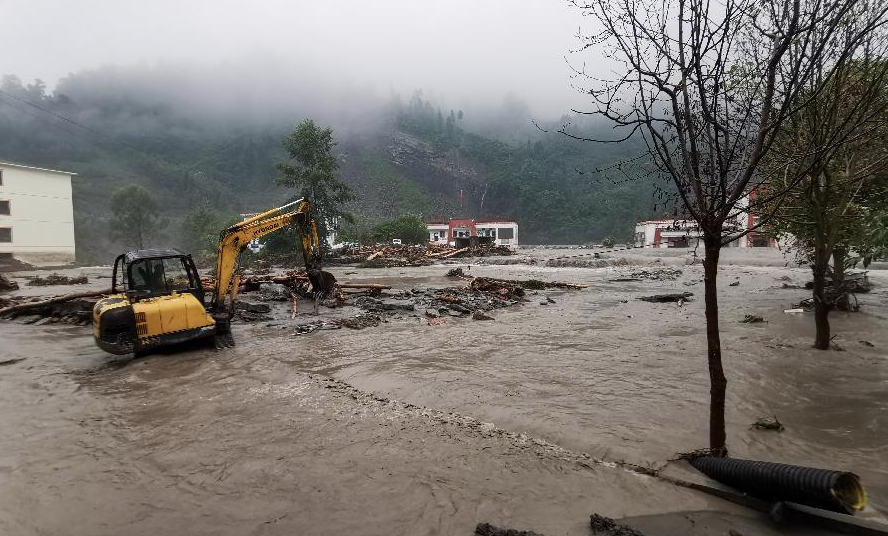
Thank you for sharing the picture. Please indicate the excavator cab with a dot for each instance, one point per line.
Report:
(151, 273)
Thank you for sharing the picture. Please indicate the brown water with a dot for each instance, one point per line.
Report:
(253, 441)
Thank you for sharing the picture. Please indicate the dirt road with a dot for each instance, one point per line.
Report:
(445, 426)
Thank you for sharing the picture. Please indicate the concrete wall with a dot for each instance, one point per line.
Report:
(41, 215)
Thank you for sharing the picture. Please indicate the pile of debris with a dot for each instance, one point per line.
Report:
(7, 284)
(389, 256)
(57, 279)
(69, 308)
(665, 273)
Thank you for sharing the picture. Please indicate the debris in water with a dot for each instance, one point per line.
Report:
(734, 284)
(439, 321)
(12, 361)
(793, 311)
(609, 527)
(7, 284)
(480, 315)
(455, 272)
(667, 298)
(311, 327)
(768, 423)
(868, 344)
(361, 321)
(486, 529)
(57, 279)
(752, 319)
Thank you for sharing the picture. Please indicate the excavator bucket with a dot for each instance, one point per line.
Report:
(321, 282)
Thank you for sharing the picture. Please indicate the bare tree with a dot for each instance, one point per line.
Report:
(708, 86)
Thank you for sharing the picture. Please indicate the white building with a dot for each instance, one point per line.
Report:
(460, 232)
(675, 233)
(36, 214)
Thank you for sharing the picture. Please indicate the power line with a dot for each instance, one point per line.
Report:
(39, 117)
(86, 128)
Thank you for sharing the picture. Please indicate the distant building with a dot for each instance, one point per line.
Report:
(36, 214)
(682, 233)
(462, 232)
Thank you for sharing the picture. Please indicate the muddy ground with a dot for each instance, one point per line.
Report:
(411, 428)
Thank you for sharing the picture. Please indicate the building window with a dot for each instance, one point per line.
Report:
(5, 234)
(4, 207)
(5, 256)
(506, 233)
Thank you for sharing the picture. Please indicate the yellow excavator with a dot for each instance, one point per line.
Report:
(157, 297)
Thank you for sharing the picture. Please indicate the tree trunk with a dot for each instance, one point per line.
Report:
(717, 382)
(843, 301)
(821, 302)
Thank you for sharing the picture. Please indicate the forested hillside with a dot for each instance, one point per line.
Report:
(399, 157)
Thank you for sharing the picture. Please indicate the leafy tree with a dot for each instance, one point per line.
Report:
(356, 228)
(313, 171)
(134, 216)
(407, 227)
(842, 184)
(200, 229)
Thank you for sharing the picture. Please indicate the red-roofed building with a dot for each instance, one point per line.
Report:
(462, 232)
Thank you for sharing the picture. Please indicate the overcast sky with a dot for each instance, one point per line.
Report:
(458, 50)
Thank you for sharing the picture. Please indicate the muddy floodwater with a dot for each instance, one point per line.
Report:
(411, 428)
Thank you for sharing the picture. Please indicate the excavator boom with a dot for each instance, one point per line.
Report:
(234, 240)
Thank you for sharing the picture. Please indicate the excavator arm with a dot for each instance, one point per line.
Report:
(233, 240)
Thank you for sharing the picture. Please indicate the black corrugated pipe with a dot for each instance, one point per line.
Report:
(837, 491)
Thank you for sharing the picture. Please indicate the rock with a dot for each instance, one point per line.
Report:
(396, 306)
(253, 307)
(458, 308)
(431, 313)
(479, 315)
(274, 292)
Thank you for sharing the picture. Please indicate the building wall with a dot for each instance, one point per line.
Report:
(505, 232)
(438, 233)
(41, 215)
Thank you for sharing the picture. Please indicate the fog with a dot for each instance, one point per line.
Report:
(463, 54)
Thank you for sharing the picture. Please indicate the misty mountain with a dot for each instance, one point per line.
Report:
(192, 139)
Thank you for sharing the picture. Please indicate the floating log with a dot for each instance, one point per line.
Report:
(665, 298)
(368, 286)
(454, 252)
(19, 308)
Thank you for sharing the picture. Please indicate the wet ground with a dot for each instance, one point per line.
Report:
(410, 428)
